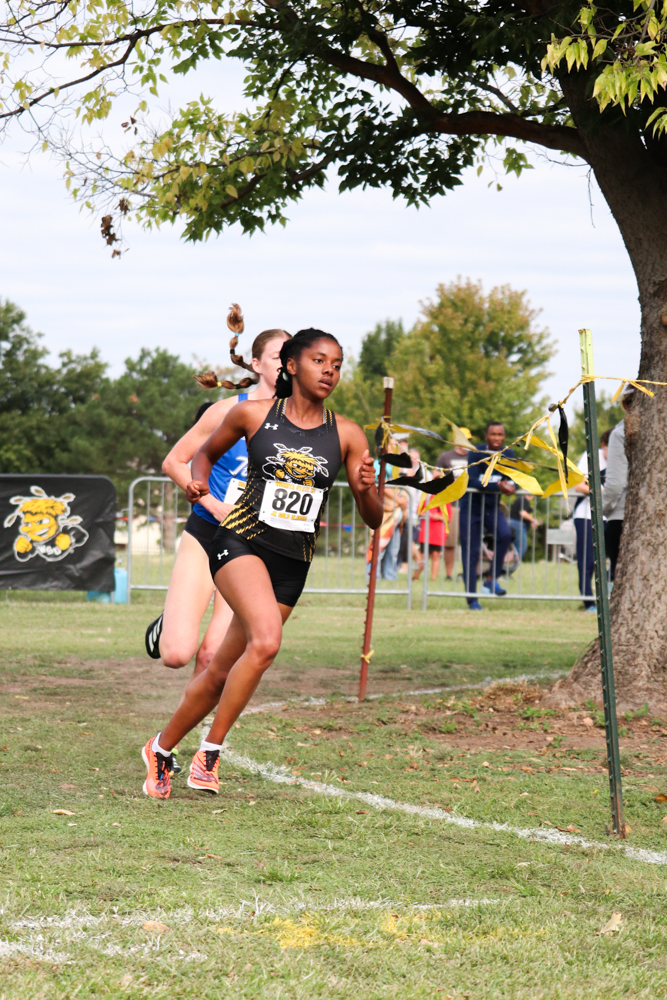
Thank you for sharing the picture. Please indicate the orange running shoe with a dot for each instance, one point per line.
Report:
(204, 771)
(158, 782)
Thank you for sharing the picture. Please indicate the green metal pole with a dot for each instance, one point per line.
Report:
(601, 591)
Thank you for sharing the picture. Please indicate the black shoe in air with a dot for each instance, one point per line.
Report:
(175, 766)
(153, 633)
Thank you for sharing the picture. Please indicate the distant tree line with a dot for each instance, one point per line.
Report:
(471, 357)
(73, 417)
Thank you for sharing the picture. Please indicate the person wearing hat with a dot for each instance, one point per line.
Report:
(456, 458)
(616, 484)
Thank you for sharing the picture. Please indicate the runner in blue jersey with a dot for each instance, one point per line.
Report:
(174, 635)
(228, 473)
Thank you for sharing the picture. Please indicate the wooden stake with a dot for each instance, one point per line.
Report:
(366, 652)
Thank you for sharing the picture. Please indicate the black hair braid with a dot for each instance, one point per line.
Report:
(292, 349)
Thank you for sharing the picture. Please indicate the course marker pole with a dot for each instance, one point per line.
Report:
(366, 652)
(601, 591)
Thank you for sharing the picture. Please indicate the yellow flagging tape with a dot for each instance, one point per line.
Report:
(522, 479)
(460, 440)
(491, 466)
(453, 492)
(367, 656)
(510, 467)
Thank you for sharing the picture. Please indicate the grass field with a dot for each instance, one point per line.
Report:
(449, 843)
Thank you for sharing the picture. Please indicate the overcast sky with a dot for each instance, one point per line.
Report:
(343, 263)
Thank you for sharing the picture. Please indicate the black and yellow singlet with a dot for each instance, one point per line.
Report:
(290, 474)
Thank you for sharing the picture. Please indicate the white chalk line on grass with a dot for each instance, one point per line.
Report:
(83, 927)
(480, 685)
(79, 921)
(35, 949)
(556, 838)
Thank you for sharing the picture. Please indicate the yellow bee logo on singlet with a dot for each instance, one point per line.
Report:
(292, 465)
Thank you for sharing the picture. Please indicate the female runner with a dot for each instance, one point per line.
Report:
(174, 635)
(262, 552)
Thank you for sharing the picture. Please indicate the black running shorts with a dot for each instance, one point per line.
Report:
(201, 529)
(288, 576)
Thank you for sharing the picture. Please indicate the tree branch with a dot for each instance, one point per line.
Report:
(16, 112)
(558, 137)
(493, 90)
(386, 76)
(512, 126)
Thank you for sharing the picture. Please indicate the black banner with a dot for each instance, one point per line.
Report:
(57, 532)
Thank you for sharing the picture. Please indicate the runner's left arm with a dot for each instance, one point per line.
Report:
(361, 474)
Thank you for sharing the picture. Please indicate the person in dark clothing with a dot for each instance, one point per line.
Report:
(455, 458)
(481, 511)
(521, 518)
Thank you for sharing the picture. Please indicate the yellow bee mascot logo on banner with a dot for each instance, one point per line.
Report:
(46, 528)
(295, 465)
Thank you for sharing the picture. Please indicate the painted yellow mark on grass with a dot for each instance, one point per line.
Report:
(308, 933)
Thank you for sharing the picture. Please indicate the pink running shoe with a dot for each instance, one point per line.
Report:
(158, 782)
(204, 771)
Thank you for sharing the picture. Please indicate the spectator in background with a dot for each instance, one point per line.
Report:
(604, 444)
(616, 485)
(521, 518)
(584, 530)
(411, 518)
(481, 510)
(395, 511)
(456, 458)
(437, 537)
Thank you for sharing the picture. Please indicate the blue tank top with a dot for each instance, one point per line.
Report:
(232, 465)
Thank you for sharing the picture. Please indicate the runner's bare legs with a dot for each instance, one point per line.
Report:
(252, 640)
(188, 597)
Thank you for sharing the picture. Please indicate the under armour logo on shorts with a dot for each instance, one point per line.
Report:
(271, 427)
(221, 554)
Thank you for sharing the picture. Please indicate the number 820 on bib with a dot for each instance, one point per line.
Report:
(290, 507)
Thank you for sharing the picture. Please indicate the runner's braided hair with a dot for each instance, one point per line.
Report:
(292, 349)
(235, 322)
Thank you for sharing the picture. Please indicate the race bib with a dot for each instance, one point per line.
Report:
(234, 490)
(290, 507)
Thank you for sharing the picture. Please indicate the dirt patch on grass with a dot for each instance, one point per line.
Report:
(136, 679)
(504, 716)
(287, 680)
(115, 681)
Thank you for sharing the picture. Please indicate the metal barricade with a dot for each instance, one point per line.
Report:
(152, 532)
(539, 558)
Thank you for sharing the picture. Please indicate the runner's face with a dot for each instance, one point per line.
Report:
(318, 367)
(268, 365)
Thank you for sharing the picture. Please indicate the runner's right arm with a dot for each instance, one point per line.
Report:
(175, 464)
(241, 421)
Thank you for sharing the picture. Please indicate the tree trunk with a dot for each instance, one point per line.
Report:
(633, 179)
